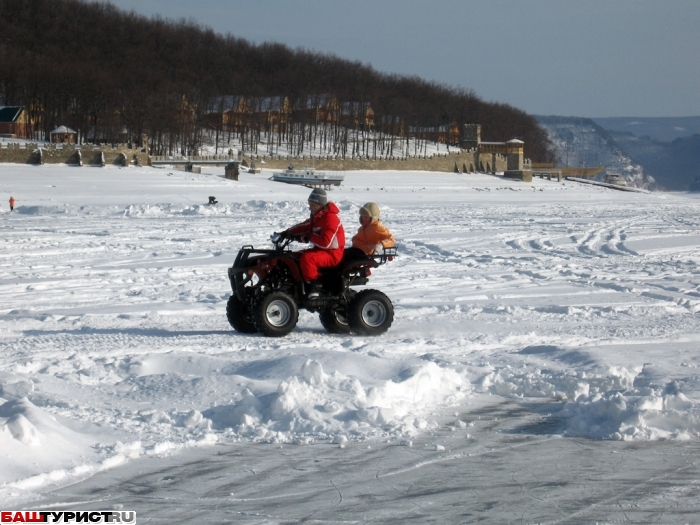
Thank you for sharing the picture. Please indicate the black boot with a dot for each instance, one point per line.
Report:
(313, 290)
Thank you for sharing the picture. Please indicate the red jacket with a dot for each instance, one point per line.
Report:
(324, 230)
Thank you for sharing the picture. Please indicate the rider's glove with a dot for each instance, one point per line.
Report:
(278, 236)
(379, 248)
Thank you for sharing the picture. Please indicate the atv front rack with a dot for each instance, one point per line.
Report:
(238, 274)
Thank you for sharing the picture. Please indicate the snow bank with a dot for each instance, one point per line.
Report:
(605, 406)
(314, 405)
(169, 209)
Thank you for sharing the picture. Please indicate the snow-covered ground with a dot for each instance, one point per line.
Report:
(560, 313)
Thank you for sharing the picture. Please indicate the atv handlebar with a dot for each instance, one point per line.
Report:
(281, 240)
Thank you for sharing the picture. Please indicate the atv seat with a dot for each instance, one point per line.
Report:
(351, 264)
(352, 258)
(355, 258)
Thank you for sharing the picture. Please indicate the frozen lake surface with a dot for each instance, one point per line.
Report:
(542, 366)
(511, 470)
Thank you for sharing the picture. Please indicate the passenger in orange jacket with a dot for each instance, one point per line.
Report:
(372, 236)
(12, 203)
(325, 232)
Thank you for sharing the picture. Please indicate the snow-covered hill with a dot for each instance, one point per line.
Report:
(580, 142)
(626, 148)
(662, 129)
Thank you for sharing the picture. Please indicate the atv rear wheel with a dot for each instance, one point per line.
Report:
(239, 316)
(370, 313)
(334, 321)
(276, 314)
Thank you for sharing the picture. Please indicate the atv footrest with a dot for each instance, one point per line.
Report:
(320, 302)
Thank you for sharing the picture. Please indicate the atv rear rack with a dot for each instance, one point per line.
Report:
(386, 255)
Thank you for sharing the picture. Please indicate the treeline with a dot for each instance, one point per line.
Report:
(99, 69)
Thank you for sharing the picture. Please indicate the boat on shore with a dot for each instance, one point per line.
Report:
(307, 177)
(613, 177)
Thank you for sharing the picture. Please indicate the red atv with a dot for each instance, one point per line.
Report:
(268, 291)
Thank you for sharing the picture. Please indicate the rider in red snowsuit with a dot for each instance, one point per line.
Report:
(324, 231)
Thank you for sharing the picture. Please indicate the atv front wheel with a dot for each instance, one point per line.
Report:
(239, 316)
(370, 313)
(276, 314)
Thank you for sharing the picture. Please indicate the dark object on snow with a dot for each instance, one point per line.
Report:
(212, 200)
(268, 291)
(231, 171)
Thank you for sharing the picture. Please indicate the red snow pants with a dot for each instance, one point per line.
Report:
(311, 260)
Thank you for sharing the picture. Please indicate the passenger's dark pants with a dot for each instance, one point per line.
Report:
(352, 254)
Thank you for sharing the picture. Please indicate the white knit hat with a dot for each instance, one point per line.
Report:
(370, 209)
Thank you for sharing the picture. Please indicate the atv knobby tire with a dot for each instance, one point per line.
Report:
(276, 314)
(370, 313)
(239, 316)
(334, 321)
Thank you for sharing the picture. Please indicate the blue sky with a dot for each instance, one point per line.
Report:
(588, 58)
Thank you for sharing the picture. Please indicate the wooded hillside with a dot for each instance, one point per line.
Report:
(99, 69)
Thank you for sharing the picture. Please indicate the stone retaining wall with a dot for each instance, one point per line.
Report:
(71, 154)
(463, 161)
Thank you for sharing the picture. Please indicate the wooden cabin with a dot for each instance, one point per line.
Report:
(445, 134)
(273, 113)
(319, 108)
(358, 115)
(14, 122)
